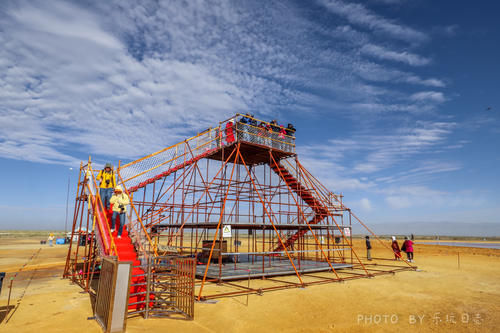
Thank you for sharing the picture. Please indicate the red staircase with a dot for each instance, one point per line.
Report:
(319, 209)
(127, 252)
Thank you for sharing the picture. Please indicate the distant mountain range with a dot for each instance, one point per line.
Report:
(433, 228)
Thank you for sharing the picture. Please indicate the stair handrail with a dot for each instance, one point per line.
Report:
(172, 147)
(138, 219)
(323, 187)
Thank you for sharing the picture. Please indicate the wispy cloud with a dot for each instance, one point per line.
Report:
(370, 153)
(434, 96)
(79, 79)
(362, 16)
(386, 54)
(378, 73)
(417, 196)
(420, 173)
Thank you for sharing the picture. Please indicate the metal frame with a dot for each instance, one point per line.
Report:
(250, 178)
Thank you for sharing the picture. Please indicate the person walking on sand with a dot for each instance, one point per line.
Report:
(395, 248)
(107, 183)
(368, 248)
(408, 248)
(51, 239)
(119, 200)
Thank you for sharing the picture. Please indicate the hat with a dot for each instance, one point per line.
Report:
(393, 238)
(118, 188)
(108, 165)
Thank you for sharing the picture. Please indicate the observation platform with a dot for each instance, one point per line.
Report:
(253, 154)
(255, 142)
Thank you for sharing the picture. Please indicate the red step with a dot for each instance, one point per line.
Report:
(126, 252)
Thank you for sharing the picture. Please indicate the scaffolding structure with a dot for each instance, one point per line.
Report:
(237, 199)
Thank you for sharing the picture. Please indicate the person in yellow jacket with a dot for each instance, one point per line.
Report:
(120, 201)
(107, 183)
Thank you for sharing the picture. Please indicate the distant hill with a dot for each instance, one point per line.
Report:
(433, 228)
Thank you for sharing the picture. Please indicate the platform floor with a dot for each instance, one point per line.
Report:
(246, 268)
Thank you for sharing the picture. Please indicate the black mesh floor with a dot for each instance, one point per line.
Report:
(245, 268)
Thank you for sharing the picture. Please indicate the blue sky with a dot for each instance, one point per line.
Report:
(395, 101)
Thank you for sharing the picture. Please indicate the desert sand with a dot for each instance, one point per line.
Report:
(453, 290)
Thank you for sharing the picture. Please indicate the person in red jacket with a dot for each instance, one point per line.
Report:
(408, 248)
(395, 248)
(230, 131)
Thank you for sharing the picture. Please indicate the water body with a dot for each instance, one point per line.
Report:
(466, 244)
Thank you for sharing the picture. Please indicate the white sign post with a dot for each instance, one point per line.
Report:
(347, 232)
(226, 231)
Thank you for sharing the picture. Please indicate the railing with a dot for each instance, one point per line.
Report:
(137, 231)
(105, 241)
(264, 133)
(161, 163)
(166, 288)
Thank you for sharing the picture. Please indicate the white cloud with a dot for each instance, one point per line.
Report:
(60, 21)
(371, 153)
(360, 15)
(379, 73)
(398, 202)
(122, 79)
(70, 86)
(432, 82)
(365, 204)
(386, 54)
(434, 96)
(415, 196)
(422, 171)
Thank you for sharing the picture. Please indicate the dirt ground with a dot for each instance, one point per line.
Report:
(454, 290)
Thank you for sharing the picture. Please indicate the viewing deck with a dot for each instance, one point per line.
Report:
(257, 139)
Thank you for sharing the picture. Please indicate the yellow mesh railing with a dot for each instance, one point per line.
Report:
(146, 170)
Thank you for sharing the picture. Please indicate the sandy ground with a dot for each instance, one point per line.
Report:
(439, 297)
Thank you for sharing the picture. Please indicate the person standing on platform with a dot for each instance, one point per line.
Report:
(282, 137)
(290, 130)
(119, 200)
(253, 122)
(242, 127)
(368, 248)
(230, 138)
(395, 248)
(275, 130)
(107, 183)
